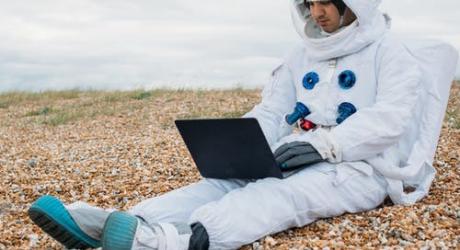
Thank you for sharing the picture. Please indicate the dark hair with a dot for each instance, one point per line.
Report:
(339, 4)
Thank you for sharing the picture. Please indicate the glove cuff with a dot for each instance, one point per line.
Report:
(325, 144)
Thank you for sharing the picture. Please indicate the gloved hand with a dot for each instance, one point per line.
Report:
(296, 154)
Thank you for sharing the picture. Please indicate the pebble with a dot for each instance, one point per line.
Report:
(32, 163)
(407, 237)
(15, 188)
(5, 207)
(382, 238)
(421, 235)
(256, 246)
(270, 241)
(33, 239)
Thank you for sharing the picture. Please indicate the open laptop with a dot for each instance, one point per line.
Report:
(229, 148)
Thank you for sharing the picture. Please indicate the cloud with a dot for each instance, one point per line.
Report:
(115, 44)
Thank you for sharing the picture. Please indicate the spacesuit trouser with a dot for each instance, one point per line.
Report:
(237, 212)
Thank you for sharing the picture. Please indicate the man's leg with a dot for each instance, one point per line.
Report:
(174, 206)
(178, 205)
(273, 205)
(161, 222)
(81, 225)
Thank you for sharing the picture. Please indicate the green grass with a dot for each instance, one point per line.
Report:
(9, 99)
(63, 117)
(4, 104)
(56, 108)
(41, 111)
(145, 95)
(113, 97)
(141, 95)
(66, 114)
(55, 117)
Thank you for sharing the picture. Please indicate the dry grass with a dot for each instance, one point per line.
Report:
(114, 149)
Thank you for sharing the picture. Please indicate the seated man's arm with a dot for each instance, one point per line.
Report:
(374, 129)
(278, 99)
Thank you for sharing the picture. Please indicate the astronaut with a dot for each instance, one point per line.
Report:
(350, 86)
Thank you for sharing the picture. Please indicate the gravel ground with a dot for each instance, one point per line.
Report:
(116, 149)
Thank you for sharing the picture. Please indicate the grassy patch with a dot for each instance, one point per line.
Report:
(42, 111)
(9, 99)
(62, 117)
(61, 95)
(141, 95)
(15, 98)
(70, 114)
(104, 112)
(4, 104)
(112, 97)
(62, 107)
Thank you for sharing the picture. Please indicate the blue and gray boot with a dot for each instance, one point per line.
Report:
(78, 228)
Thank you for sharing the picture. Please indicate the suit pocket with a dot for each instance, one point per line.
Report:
(347, 170)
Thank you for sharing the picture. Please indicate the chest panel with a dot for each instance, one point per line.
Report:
(351, 79)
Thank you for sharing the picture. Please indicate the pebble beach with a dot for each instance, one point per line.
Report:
(115, 149)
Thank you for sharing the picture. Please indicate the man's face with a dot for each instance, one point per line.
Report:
(326, 15)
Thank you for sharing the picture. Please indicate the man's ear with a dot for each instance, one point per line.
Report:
(348, 17)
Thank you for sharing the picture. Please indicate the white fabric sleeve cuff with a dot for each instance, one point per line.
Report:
(325, 144)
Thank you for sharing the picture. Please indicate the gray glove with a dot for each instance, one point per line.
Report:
(296, 154)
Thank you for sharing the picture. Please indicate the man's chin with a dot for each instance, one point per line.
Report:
(328, 29)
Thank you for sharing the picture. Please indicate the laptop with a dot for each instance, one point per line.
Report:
(229, 148)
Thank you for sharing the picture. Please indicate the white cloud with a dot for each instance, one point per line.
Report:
(118, 44)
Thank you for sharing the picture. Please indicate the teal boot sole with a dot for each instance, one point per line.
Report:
(50, 215)
(119, 231)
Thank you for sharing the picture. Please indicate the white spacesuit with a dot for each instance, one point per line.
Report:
(366, 97)
(362, 68)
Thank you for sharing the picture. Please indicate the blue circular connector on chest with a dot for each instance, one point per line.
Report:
(310, 80)
(345, 110)
(300, 111)
(347, 79)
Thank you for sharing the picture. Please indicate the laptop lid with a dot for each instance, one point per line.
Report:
(229, 148)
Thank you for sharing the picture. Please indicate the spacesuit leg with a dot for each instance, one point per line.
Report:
(177, 205)
(272, 205)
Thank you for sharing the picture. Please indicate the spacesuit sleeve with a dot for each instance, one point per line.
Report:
(278, 98)
(372, 130)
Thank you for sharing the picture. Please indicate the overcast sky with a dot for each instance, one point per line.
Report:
(126, 44)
